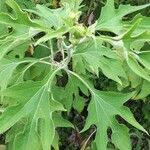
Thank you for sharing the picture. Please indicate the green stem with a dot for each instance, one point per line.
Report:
(68, 49)
(60, 47)
(52, 51)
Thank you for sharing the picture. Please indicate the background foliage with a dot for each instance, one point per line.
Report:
(71, 70)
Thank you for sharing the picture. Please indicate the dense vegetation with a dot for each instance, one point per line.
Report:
(75, 74)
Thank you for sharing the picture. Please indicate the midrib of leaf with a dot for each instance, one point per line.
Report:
(98, 118)
(8, 66)
(34, 118)
(4, 70)
(111, 106)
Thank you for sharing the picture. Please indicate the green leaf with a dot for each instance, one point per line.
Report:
(111, 18)
(21, 18)
(21, 22)
(7, 68)
(37, 105)
(105, 106)
(132, 41)
(12, 44)
(124, 142)
(144, 58)
(20, 51)
(23, 28)
(74, 4)
(59, 121)
(17, 128)
(137, 68)
(71, 90)
(136, 42)
(32, 91)
(79, 103)
(3, 6)
(55, 143)
(54, 17)
(53, 34)
(113, 69)
(144, 92)
(19, 93)
(134, 80)
(104, 59)
(143, 26)
(26, 3)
